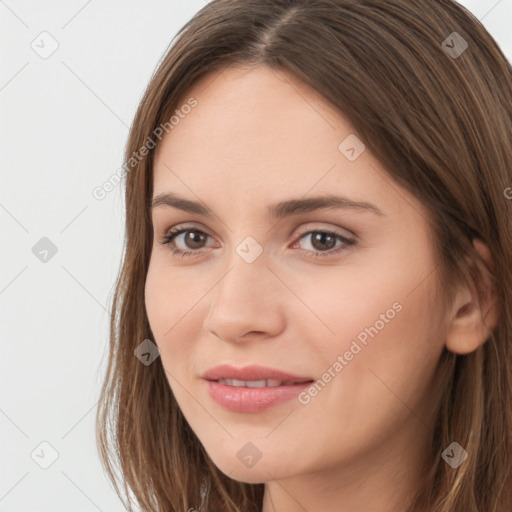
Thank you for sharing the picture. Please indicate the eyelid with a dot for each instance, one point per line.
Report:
(307, 228)
(184, 226)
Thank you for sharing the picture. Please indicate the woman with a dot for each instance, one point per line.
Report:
(314, 310)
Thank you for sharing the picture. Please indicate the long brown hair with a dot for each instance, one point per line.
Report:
(438, 116)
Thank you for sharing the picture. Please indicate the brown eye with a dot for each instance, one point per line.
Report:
(185, 241)
(323, 241)
(193, 239)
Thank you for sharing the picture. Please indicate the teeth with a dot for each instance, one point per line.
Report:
(271, 383)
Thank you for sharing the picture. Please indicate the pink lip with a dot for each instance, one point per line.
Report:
(245, 399)
(252, 372)
(242, 399)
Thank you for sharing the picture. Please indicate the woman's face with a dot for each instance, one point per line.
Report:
(342, 295)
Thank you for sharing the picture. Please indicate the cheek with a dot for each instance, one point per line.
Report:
(381, 318)
(156, 299)
(169, 297)
(390, 353)
(175, 307)
(164, 311)
(347, 304)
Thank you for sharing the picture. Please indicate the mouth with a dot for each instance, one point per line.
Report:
(252, 389)
(253, 376)
(263, 383)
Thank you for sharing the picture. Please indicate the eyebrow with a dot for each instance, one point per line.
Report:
(278, 210)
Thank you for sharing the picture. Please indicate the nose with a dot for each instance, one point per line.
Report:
(247, 303)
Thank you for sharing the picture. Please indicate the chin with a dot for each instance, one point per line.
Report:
(247, 475)
(263, 470)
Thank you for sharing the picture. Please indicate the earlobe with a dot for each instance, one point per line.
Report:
(473, 317)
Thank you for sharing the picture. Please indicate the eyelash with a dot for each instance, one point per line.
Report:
(173, 233)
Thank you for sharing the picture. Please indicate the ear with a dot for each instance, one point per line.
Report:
(472, 321)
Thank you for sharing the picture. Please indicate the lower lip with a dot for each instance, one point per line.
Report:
(244, 399)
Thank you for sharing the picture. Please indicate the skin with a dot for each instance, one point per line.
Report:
(258, 137)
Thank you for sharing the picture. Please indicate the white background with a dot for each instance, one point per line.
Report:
(64, 122)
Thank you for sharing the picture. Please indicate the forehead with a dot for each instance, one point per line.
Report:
(260, 109)
(261, 133)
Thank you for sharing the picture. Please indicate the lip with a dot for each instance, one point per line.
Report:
(252, 372)
(252, 400)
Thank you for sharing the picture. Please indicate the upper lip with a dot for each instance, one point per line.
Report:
(252, 372)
